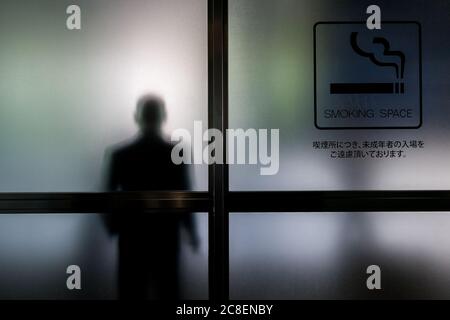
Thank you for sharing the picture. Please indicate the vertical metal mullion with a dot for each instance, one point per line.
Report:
(218, 173)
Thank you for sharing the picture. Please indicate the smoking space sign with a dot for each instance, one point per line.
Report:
(367, 79)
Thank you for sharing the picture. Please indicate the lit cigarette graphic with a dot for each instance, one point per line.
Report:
(396, 87)
(367, 88)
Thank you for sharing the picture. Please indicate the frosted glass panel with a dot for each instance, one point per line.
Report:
(68, 95)
(326, 255)
(36, 250)
(272, 85)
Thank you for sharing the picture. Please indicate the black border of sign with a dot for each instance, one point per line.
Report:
(368, 128)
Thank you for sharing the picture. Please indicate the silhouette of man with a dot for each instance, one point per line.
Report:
(148, 242)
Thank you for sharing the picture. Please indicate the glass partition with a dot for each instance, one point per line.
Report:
(66, 96)
(272, 85)
(36, 249)
(326, 255)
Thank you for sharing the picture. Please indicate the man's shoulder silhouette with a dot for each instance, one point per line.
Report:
(145, 163)
(142, 146)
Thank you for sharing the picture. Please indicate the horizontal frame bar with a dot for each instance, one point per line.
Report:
(104, 202)
(264, 201)
(339, 201)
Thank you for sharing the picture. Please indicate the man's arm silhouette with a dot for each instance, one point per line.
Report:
(111, 184)
(187, 219)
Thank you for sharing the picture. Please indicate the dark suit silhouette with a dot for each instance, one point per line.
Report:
(148, 242)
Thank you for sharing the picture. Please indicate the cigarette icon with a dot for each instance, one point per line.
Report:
(368, 88)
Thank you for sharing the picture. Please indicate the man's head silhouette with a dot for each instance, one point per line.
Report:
(150, 114)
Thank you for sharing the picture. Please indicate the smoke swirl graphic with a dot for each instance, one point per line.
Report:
(399, 68)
